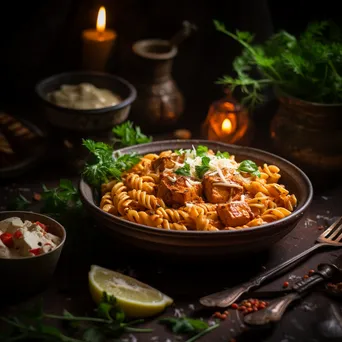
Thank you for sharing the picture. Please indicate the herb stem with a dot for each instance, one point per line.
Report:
(87, 319)
(16, 338)
(130, 329)
(202, 333)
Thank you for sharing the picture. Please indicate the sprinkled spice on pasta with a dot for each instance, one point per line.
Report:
(198, 189)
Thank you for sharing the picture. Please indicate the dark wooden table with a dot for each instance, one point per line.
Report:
(315, 318)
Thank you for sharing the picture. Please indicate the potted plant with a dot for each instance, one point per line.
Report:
(306, 73)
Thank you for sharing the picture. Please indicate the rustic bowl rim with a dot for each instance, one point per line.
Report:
(17, 213)
(280, 93)
(126, 102)
(287, 220)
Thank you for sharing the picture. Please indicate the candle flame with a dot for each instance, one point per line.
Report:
(101, 20)
(226, 126)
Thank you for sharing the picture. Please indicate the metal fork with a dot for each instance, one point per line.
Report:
(331, 237)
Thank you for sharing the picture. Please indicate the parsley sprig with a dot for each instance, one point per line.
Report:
(196, 328)
(34, 324)
(104, 166)
(307, 67)
(61, 200)
(128, 135)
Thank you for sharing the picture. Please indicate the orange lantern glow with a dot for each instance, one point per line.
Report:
(227, 121)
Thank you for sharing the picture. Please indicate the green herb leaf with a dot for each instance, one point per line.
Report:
(201, 150)
(62, 199)
(19, 203)
(93, 335)
(179, 152)
(202, 169)
(104, 165)
(184, 170)
(129, 135)
(184, 325)
(250, 167)
(223, 155)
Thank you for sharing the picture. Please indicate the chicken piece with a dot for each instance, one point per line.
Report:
(166, 161)
(221, 193)
(162, 163)
(234, 214)
(177, 190)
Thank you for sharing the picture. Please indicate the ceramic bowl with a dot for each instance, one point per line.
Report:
(30, 274)
(199, 243)
(86, 120)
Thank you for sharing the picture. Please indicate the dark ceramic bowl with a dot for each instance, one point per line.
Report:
(86, 120)
(30, 274)
(199, 243)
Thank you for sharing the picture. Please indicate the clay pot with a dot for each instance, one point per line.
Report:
(159, 103)
(309, 134)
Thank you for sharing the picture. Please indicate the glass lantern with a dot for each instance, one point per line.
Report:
(228, 121)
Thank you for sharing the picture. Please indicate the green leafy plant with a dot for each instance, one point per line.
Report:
(36, 325)
(307, 67)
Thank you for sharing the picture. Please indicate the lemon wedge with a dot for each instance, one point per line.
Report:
(134, 297)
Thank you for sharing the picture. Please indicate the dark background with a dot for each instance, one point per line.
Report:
(40, 38)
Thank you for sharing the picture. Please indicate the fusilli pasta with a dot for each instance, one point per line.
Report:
(172, 190)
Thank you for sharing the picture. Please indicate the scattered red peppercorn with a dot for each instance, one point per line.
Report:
(311, 272)
(224, 316)
(7, 239)
(232, 340)
(18, 234)
(37, 197)
(286, 284)
(306, 276)
(234, 306)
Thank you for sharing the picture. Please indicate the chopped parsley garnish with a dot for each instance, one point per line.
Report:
(179, 152)
(203, 168)
(201, 150)
(222, 155)
(184, 170)
(128, 135)
(249, 167)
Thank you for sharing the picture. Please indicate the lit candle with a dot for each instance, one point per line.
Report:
(98, 44)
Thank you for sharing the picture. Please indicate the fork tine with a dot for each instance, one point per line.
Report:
(339, 238)
(337, 223)
(336, 232)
